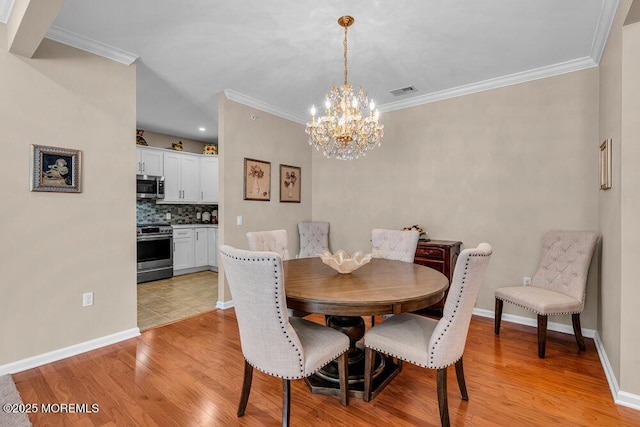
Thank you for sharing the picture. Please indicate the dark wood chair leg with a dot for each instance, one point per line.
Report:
(368, 373)
(498, 316)
(461, 383)
(246, 388)
(542, 335)
(443, 404)
(578, 331)
(343, 369)
(286, 402)
(373, 321)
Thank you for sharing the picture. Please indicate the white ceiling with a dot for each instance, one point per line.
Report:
(283, 56)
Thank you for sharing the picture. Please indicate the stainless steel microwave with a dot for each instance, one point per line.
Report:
(149, 187)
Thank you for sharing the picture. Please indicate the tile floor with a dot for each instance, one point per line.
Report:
(168, 300)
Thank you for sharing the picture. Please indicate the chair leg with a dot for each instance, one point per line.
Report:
(246, 388)
(498, 316)
(286, 402)
(542, 335)
(577, 330)
(343, 369)
(368, 373)
(373, 321)
(443, 405)
(461, 382)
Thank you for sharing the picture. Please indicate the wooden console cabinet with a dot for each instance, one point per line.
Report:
(440, 255)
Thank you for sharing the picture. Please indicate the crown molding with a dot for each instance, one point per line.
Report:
(262, 106)
(89, 45)
(6, 7)
(605, 22)
(512, 79)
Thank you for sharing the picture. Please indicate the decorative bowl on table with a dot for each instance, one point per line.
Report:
(343, 262)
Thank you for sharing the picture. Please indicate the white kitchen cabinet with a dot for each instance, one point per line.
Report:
(213, 247)
(183, 249)
(181, 178)
(195, 248)
(149, 161)
(209, 179)
(201, 247)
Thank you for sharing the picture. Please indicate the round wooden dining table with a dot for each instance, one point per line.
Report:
(380, 287)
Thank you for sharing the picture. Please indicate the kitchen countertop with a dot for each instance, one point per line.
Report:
(201, 224)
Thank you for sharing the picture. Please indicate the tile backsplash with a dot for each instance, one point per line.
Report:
(147, 211)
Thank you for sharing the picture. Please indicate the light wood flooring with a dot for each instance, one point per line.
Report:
(165, 301)
(189, 373)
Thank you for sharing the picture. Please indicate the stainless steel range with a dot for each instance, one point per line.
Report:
(154, 251)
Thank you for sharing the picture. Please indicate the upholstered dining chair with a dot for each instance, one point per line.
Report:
(559, 285)
(273, 241)
(314, 238)
(272, 342)
(431, 343)
(394, 244)
(397, 245)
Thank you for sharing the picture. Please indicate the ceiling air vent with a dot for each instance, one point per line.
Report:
(404, 91)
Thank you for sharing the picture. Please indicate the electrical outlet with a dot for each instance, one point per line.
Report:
(239, 220)
(526, 281)
(87, 299)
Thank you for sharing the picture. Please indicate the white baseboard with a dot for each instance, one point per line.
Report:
(223, 305)
(622, 398)
(63, 353)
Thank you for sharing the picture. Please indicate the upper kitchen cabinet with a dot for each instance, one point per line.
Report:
(182, 178)
(209, 179)
(149, 161)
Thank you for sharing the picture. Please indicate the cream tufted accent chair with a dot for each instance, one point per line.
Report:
(431, 343)
(399, 245)
(271, 341)
(273, 241)
(314, 238)
(394, 244)
(559, 285)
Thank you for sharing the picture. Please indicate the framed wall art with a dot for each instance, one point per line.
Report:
(605, 164)
(257, 180)
(289, 184)
(55, 169)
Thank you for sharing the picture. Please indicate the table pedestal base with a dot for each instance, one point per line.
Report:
(327, 380)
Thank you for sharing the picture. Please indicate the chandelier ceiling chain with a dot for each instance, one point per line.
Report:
(350, 125)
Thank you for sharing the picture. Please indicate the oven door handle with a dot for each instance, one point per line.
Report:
(146, 238)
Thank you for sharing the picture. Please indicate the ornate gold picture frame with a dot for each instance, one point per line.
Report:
(55, 169)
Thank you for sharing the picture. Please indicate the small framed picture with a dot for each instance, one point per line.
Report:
(605, 164)
(55, 169)
(289, 184)
(257, 180)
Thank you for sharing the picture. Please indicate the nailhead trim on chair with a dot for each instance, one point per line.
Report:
(302, 375)
(533, 311)
(450, 320)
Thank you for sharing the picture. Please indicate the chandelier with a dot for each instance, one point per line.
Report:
(349, 127)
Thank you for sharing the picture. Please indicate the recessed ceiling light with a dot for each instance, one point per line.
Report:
(201, 129)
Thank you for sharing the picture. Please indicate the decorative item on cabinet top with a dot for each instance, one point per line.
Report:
(210, 150)
(176, 146)
(419, 229)
(139, 138)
